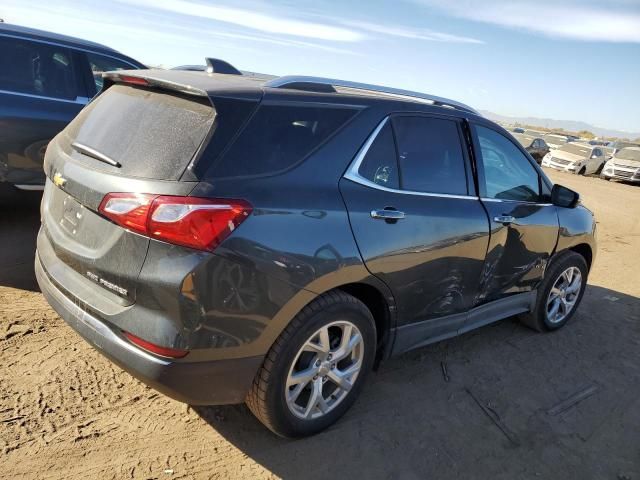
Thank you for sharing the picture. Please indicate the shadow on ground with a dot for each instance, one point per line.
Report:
(518, 404)
(19, 224)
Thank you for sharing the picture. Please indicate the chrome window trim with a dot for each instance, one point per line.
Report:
(78, 100)
(353, 175)
(70, 47)
(506, 200)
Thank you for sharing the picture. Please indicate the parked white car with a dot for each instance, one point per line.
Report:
(625, 165)
(556, 140)
(579, 158)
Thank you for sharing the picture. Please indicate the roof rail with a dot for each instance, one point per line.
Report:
(321, 84)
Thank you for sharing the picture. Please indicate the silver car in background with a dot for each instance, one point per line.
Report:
(624, 165)
(579, 158)
(555, 140)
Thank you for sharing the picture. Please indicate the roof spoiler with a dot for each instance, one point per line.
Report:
(215, 65)
(144, 79)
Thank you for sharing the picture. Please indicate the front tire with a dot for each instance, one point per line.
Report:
(559, 294)
(316, 368)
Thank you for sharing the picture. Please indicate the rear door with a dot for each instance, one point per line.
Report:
(418, 223)
(524, 224)
(40, 92)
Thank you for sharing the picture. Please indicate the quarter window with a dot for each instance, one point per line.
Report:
(430, 155)
(36, 69)
(380, 164)
(508, 174)
(279, 137)
(100, 64)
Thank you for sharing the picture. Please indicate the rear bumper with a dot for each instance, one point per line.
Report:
(197, 383)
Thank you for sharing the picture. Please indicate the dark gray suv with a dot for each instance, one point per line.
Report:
(227, 238)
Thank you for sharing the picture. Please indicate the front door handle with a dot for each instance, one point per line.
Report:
(387, 214)
(504, 219)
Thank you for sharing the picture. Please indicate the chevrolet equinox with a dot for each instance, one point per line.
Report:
(227, 238)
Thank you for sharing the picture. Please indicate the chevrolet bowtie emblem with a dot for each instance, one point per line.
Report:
(59, 180)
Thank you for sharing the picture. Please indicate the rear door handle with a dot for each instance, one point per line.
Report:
(387, 214)
(504, 219)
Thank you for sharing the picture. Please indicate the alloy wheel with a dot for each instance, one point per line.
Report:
(324, 370)
(564, 295)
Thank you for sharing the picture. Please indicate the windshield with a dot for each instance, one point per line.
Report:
(620, 145)
(629, 154)
(576, 149)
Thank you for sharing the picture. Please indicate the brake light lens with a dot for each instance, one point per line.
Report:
(132, 80)
(199, 223)
(157, 349)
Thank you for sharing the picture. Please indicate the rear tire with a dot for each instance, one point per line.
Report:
(568, 289)
(296, 392)
(582, 171)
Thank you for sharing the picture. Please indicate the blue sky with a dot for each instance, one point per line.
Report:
(572, 60)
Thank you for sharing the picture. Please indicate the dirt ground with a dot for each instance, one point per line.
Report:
(507, 411)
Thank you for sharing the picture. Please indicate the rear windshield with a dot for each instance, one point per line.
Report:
(278, 137)
(629, 154)
(150, 133)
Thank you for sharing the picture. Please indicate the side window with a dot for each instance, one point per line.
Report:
(537, 143)
(597, 152)
(430, 155)
(37, 69)
(279, 137)
(100, 64)
(507, 172)
(380, 165)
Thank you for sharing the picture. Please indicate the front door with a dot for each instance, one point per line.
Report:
(524, 224)
(418, 223)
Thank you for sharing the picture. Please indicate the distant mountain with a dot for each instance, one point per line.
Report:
(570, 125)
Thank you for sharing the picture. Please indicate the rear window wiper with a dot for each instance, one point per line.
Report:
(90, 152)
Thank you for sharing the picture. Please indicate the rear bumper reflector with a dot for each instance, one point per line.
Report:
(156, 349)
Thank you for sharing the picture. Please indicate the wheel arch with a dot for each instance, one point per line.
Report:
(583, 249)
(381, 310)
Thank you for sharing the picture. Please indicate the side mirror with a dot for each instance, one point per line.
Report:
(564, 197)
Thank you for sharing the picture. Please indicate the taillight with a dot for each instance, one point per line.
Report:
(129, 210)
(199, 223)
(157, 349)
